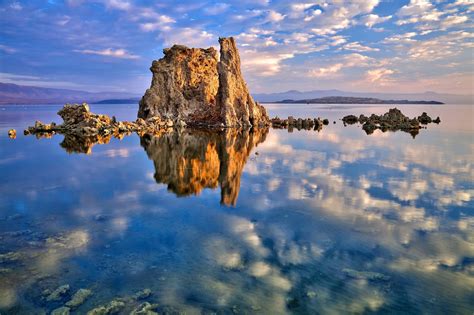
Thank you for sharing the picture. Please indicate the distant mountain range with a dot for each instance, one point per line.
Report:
(20, 94)
(427, 96)
(354, 100)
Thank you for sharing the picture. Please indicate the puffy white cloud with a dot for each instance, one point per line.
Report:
(356, 46)
(274, 16)
(160, 22)
(378, 75)
(188, 36)
(372, 19)
(326, 71)
(117, 53)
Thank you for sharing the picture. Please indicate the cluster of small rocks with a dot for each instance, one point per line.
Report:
(393, 120)
(112, 307)
(299, 123)
(78, 120)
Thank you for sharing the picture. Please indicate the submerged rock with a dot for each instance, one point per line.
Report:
(143, 294)
(193, 86)
(12, 133)
(58, 294)
(112, 307)
(61, 311)
(79, 298)
(145, 309)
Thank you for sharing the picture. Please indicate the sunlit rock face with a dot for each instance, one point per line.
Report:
(190, 84)
(190, 162)
(237, 106)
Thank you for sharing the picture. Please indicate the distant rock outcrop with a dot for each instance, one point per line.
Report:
(192, 85)
(392, 120)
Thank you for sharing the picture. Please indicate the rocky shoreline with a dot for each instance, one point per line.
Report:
(299, 123)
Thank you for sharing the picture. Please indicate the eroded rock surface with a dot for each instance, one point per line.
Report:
(191, 85)
(299, 123)
(392, 120)
(82, 128)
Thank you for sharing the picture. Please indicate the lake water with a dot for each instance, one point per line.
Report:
(307, 222)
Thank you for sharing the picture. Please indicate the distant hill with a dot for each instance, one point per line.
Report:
(21, 94)
(119, 101)
(298, 95)
(354, 100)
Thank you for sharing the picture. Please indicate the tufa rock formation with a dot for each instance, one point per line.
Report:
(392, 120)
(193, 86)
(82, 128)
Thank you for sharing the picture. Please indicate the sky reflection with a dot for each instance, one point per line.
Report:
(331, 221)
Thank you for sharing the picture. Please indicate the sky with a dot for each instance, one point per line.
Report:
(361, 46)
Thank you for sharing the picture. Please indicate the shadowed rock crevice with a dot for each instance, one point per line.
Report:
(189, 162)
(192, 85)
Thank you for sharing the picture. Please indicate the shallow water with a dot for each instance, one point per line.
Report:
(242, 222)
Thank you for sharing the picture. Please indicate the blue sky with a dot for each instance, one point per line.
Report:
(366, 45)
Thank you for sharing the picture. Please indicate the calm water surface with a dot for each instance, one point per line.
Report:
(229, 222)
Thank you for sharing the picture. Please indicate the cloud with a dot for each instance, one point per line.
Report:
(344, 62)
(379, 75)
(274, 16)
(372, 19)
(188, 36)
(418, 11)
(118, 4)
(63, 20)
(7, 49)
(160, 22)
(118, 53)
(262, 64)
(453, 20)
(326, 71)
(16, 6)
(401, 38)
(356, 46)
(32, 80)
(217, 8)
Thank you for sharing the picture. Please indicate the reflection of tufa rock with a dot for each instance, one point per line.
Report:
(191, 85)
(189, 162)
